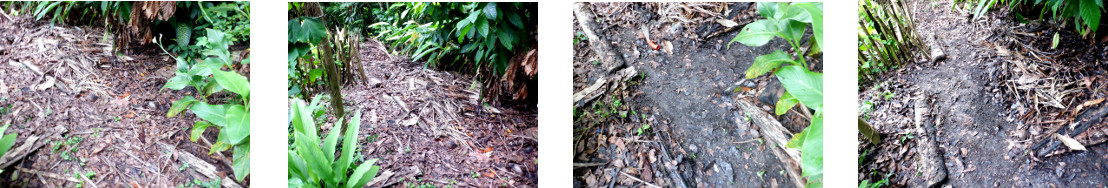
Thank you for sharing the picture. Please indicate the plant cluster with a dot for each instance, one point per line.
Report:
(313, 166)
(789, 21)
(232, 116)
(311, 47)
(188, 23)
(1085, 14)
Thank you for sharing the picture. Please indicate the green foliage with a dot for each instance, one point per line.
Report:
(7, 141)
(313, 166)
(470, 36)
(789, 21)
(232, 118)
(60, 11)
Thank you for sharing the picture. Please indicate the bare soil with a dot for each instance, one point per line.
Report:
(684, 96)
(994, 96)
(428, 128)
(97, 112)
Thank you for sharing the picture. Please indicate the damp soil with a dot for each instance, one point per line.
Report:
(685, 97)
(989, 117)
(427, 127)
(96, 113)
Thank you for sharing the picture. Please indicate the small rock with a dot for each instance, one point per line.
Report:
(375, 82)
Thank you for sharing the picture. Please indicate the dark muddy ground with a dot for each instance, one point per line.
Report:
(97, 115)
(991, 111)
(683, 96)
(447, 139)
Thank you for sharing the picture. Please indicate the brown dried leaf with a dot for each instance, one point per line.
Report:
(1069, 142)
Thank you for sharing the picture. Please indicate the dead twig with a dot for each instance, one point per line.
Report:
(648, 184)
(48, 174)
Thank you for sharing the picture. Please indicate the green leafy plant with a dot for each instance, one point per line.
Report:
(789, 21)
(479, 37)
(208, 77)
(7, 141)
(644, 127)
(313, 166)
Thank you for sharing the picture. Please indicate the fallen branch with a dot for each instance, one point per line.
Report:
(48, 174)
(201, 166)
(603, 85)
(931, 162)
(777, 136)
(29, 146)
(609, 57)
(618, 71)
(1082, 123)
(674, 176)
(648, 184)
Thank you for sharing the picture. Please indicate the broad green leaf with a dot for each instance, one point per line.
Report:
(7, 142)
(515, 20)
(212, 88)
(198, 130)
(180, 105)
(307, 29)
(332, 139)
(349, 143)
(216, 114)
(315, 74)
(482, 27)
(812, 151)
(792, 12)
(792, 30)
(297, 166)
(178, 82)
(1090, 13)
(756, 34)
(220, 144)
(815, 10)
(365, 172)
(786, 102)
(238, 124)
(233, 81)
(490, 11)
(241, 164)
(309, 149)
(766, 63)
(505, 38)
(767, 9)
(298, 49)
(806, 86)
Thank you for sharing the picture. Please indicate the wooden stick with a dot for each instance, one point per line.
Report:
(48, 174)
(648, 184)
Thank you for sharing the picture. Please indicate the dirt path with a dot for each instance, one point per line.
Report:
(980, 136)
(686, 96)
(111, 110)
(445, 140)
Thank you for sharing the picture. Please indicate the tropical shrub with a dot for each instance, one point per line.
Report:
(789, 21)
(232, 118)
(311, 165)
(477, 37)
